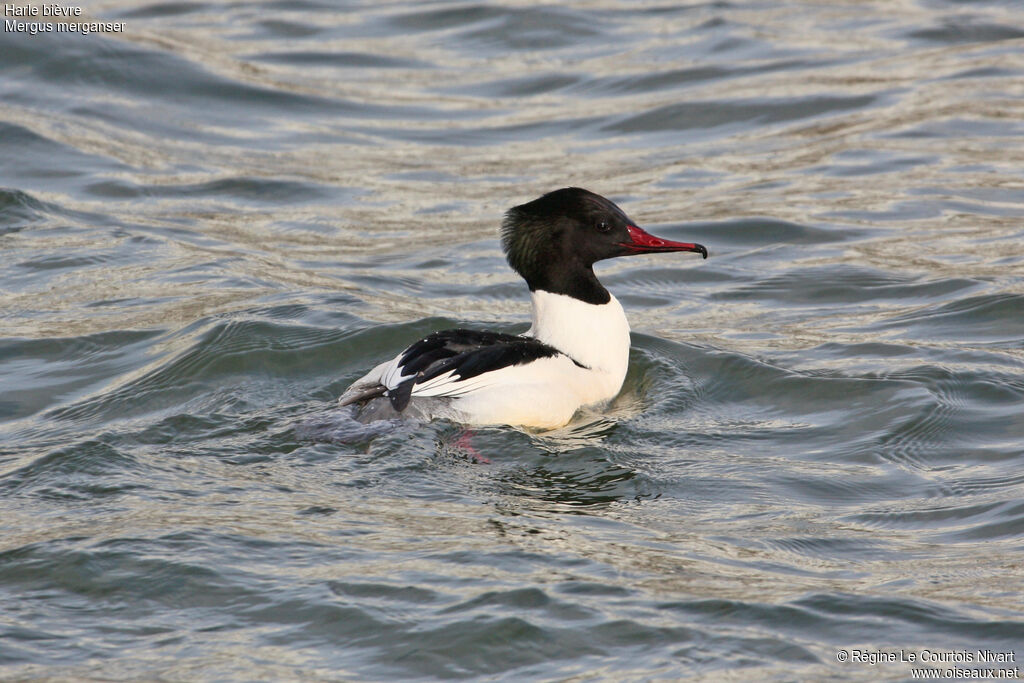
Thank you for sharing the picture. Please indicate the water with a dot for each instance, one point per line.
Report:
(214, 220)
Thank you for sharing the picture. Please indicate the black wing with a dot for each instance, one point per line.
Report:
(465, 353)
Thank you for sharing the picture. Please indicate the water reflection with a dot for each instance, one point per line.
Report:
(212, 223)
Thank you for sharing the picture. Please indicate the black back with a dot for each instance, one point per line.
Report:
(466, 352)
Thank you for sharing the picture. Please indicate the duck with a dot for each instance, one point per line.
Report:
(575, 354)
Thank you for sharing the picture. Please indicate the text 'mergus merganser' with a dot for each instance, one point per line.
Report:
(574, 355)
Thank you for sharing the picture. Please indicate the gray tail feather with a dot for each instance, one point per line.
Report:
(364, 395)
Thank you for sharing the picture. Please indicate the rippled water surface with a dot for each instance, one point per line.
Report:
(213, 221)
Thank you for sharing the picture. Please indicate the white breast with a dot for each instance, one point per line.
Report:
(594, 335)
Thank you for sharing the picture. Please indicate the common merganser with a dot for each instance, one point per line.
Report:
(574, 355)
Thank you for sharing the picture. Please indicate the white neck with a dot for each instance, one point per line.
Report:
(594, 335)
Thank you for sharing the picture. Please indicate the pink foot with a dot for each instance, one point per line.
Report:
(462, 443)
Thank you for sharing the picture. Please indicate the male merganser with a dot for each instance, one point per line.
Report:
(574, 355)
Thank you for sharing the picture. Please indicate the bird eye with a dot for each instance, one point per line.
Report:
(603, 226)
